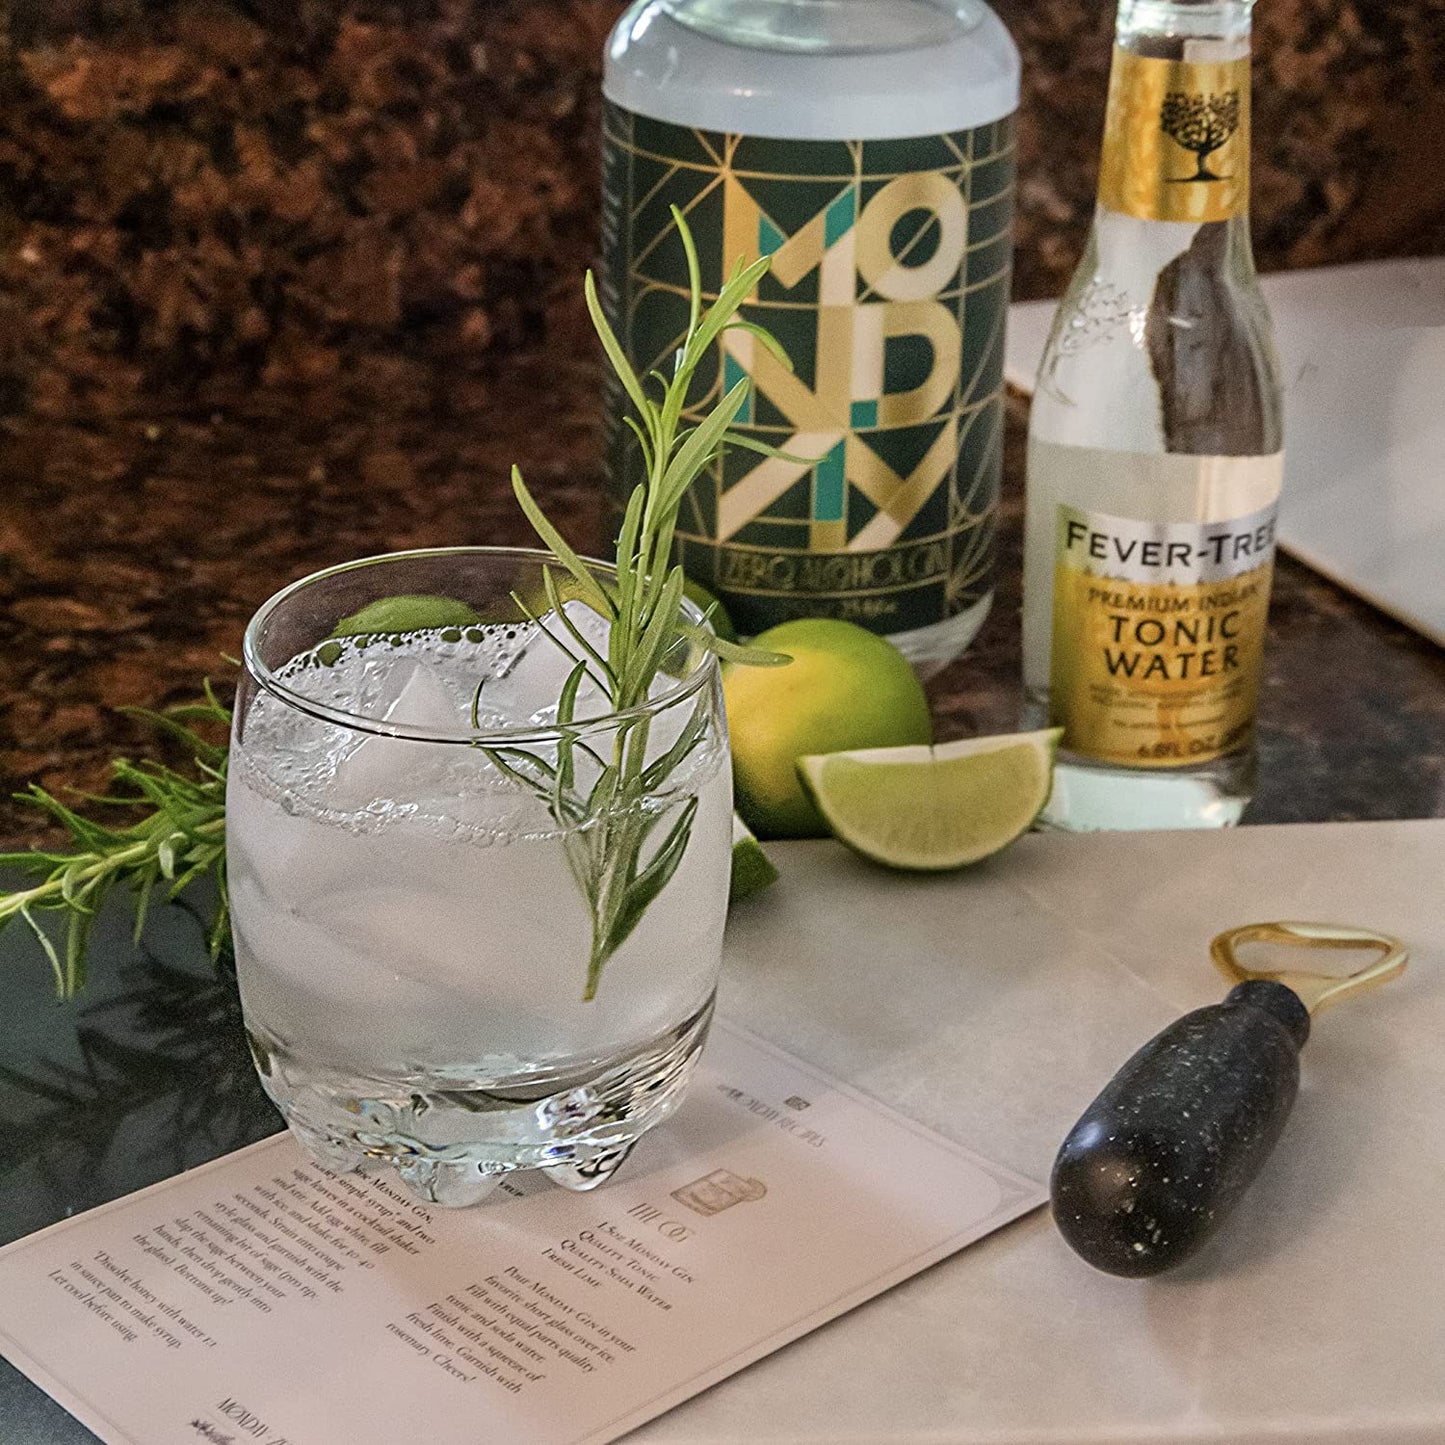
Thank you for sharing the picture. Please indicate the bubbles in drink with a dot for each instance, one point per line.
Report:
(403, 900)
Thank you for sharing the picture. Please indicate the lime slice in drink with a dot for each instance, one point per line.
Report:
(752, 869)
(406, 614)
(934, 808)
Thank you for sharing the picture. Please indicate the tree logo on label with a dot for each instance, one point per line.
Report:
(1201, 124)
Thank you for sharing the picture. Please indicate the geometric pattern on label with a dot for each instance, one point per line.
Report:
(889, 293)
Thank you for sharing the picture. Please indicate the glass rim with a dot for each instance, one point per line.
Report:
(266, 677)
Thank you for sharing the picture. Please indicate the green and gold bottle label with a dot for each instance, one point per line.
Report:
(889, 292)
(1158, 634)
(1176, 138)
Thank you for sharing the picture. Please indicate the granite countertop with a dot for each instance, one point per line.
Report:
(133, 552)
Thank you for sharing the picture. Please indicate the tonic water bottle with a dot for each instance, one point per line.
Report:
(1155, 449)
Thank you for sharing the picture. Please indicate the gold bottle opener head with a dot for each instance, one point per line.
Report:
(1315, 990)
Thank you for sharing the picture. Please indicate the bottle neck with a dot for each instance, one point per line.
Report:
(816, 71)
(1167, 27)
(1176, 129)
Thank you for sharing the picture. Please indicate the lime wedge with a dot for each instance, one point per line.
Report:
(934, 808)
(752, 869)
(406, 614)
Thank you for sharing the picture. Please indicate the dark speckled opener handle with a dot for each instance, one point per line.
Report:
(1163, 1154)
(1160, 1158)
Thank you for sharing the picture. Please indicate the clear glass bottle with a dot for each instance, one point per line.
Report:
(1155, 449)
(868, 145)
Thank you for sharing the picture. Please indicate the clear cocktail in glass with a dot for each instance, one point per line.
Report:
(470, 937)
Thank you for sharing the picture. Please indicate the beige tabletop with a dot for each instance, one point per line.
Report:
(992, 1005)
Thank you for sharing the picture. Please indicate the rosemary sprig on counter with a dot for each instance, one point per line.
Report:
(181, 837)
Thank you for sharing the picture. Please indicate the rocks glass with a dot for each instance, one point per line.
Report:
(478, 923)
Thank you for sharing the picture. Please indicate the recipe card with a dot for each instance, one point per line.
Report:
(261, 1298)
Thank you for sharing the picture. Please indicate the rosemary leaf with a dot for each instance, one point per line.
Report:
(608, 829)
(770, 342)
(616, 357)
(588, 586)
(701, 447)
(736, 652)
(643, 889)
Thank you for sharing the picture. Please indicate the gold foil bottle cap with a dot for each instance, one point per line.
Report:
(1176, 138)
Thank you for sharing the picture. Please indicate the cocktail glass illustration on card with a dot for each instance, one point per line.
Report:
(719, 1190)
(478, 915)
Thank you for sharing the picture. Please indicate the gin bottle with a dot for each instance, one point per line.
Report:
(868, 146)
(1155, 449)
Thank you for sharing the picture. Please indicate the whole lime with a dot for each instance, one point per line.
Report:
(845, 688)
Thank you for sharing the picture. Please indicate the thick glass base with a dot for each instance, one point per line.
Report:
(930, 649)
(451, 1140)
(1091, 797)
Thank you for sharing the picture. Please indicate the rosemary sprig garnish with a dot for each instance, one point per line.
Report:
(608, 829)
(181, 837)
